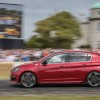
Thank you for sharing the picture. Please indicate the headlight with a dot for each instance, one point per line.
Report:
(15, 69)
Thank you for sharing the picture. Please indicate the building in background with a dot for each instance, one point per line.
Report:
(91, 29)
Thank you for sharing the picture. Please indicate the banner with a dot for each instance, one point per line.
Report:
(10, 20)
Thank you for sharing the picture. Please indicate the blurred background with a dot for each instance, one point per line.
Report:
(30, 30)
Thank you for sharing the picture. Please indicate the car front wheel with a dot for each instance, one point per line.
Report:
(28, 79)
(93, 79)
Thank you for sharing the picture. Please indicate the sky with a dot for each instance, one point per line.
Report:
(36, 10)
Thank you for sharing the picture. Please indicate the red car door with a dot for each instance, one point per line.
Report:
(76, 67)
(75, 71)
(52, 72)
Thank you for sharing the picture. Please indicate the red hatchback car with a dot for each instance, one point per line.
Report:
(63, 67)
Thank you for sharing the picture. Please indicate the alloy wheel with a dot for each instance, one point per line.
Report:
(93, 79)
(28, 79)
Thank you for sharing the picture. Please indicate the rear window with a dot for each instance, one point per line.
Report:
(79, 57)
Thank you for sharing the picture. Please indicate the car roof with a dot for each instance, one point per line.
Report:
(80, 51)
(83, 51)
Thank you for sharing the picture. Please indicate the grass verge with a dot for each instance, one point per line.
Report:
(50, 97)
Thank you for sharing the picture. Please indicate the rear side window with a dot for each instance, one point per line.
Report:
(79, 57)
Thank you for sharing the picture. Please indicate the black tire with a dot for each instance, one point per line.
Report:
(28, 80)
(93, 79)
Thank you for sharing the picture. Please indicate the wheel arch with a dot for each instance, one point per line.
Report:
(28, 71)
(89, 73)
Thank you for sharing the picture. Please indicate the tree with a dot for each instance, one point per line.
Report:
(65, 26)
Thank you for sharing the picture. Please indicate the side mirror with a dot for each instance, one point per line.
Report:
(44, 63)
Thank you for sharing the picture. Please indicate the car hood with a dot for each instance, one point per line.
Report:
(16, 64)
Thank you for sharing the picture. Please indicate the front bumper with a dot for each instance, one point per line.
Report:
(15, 77)
(12, 78)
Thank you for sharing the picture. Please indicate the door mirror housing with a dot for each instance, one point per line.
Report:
(44, 63)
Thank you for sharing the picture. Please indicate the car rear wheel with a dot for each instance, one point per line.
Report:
(28, 79)
(93, 79)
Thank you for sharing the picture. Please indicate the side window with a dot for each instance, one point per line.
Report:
(59, 58)
(89, 57)
(78, 57)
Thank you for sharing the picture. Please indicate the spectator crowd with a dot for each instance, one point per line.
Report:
(24, 55)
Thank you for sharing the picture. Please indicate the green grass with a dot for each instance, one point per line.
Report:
(50, 97)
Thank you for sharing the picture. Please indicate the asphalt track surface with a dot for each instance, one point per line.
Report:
(7, 89)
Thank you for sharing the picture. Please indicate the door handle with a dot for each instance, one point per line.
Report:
(83, 64)
(61, 66)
